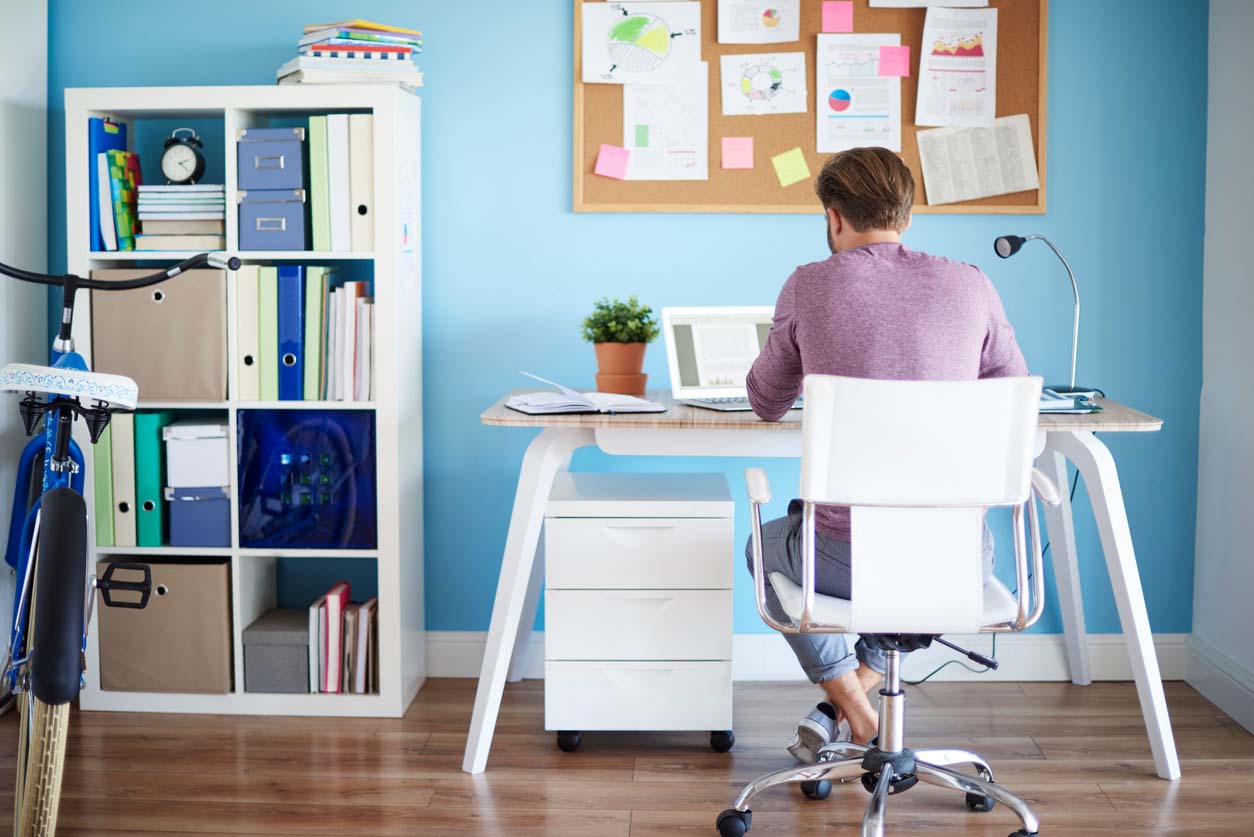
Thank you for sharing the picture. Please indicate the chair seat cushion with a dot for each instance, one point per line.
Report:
(1000, 605)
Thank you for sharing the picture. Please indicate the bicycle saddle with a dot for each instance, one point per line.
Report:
(115, 391)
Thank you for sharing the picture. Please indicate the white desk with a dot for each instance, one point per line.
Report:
(687, 431)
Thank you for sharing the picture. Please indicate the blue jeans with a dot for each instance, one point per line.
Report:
(822, 656)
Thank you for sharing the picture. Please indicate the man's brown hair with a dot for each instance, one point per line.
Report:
(871, 187)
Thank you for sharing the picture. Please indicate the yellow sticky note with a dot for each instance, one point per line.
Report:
(791, 167)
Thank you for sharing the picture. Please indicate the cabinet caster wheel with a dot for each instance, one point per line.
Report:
(568, 742)
(722, 740)
(1022, 833)
(821, 789)
(982, 804)
(733, 823)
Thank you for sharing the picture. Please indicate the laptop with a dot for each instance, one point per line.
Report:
(709, 352)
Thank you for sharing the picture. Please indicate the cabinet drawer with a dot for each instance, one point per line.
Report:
(637, 696)
(641, 553)
(638, 624)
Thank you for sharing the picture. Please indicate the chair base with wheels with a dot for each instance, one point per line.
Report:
(887, 767)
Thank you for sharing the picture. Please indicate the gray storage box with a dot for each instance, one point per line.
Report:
(271, 158)
(276, 653)
(272, 219)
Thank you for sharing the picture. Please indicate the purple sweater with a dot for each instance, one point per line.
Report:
(881, 311)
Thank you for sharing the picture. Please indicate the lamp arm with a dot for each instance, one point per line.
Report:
(1075, 290)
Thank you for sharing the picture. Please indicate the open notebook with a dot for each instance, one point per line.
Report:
(566, 400)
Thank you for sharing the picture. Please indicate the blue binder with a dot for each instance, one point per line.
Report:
(100, 137)
(291, 332)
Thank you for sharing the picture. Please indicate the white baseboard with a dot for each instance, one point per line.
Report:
(767, 657)
(1221, 680)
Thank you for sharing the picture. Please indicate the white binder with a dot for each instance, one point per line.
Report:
(338, 181)
(248, 360)
(361, 181)
(123, 443)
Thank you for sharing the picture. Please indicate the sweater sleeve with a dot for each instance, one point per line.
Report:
(774, 382)
(1001, 356)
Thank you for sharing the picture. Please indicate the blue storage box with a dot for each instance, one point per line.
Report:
(199, 516)
(272, 219)
(270, 158)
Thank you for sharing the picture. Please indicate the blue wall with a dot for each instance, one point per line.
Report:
(510, 271)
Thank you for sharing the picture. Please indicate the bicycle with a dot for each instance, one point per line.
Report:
(47, 544)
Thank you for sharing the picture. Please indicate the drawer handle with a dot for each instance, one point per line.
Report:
(268, 161)
(647, 526)
(271, 224)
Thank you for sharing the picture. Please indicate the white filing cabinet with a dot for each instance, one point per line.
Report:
(638, 605)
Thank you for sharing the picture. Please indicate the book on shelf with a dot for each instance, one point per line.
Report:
(118, 175)
(102, 135)
(354, 52)
(185, 227)
(343, 643)
(144, 241)
(410, 82)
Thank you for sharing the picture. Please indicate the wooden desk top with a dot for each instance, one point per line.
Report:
(1114, 418)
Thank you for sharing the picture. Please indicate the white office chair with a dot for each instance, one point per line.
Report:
(919, 462)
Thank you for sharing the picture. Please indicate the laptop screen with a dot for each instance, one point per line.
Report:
(710, 350)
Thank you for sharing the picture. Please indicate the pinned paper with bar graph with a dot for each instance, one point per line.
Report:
(958, 68)
(641, 43)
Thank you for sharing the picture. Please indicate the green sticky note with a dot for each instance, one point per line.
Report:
(642, 136)
(791, 167)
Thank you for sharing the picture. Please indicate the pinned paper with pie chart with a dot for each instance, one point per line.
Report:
(856, 105)
(641, 43)
(761, 84)
(759, 21)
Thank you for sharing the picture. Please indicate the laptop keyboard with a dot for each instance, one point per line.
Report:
(730, 400)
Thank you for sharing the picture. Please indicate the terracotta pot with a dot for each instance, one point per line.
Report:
(618, 368)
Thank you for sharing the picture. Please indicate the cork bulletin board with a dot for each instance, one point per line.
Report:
(598, 118)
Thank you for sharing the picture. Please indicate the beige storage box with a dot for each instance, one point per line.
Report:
(171, 338)
(181, 642)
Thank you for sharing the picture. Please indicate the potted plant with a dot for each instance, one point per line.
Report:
(619, 331)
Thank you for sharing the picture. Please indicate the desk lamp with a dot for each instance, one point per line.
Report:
(1005, 247)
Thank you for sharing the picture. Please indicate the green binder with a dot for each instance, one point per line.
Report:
(319, 185)
(268, 332)
(149, 477)
(315, 281)
(102, 479)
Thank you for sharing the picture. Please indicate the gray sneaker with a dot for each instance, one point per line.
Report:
(815, 731)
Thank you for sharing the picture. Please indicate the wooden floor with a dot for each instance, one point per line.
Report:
(1078, 755)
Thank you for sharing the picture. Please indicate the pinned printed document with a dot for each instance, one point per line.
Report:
(894, 61)
(837, 16)
(737, 152)
(756, 22)
(612, 161)
(641, 43)
(961, 164)
(919, 4)
(791, 167)
(759, 84)
(958, 68)
(666, 129)
(857, 106)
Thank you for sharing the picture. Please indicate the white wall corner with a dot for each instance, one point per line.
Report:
(767, 657)
(1221, 680)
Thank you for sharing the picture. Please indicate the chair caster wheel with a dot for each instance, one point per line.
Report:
(821, 789)
(1022, 833)
(733, 823)
(568, 742)
(983, 804)
(722, 740)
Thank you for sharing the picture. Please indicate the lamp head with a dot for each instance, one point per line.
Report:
(1008, 245)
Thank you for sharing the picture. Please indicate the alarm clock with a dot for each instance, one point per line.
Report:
(181, 161)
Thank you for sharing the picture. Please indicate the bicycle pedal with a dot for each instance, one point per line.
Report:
(109, 586)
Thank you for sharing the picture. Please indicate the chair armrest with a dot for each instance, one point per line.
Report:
(1045, 488)
(758, 486)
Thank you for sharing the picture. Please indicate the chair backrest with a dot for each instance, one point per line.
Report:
(919, 462)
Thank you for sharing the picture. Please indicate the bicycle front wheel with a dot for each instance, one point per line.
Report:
(43, 734)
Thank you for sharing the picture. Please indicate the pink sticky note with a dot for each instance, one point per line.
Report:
(612, 162)
(837, 15)
(737, 152)
(895, 61)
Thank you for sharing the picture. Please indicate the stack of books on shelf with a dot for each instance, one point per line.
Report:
(355, 52)
(343, 643)
(303, 335)
(184, 217)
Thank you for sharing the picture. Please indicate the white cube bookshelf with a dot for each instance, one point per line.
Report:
(397, 407)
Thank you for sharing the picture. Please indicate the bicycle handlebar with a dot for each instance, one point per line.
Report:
(214, 260)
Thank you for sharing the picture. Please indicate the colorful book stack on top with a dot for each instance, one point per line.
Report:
(118, 178)
(303, 335)
(183, 217)
(355, 52)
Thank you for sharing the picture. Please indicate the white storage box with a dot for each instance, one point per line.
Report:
(197, 453)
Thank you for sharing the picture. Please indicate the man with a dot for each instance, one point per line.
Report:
(874, 309)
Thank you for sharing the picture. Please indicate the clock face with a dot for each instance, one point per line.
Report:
(178, 163)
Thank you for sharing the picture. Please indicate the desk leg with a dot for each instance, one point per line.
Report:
(547, 454)
(1097, 466)
(526, 622)
(1061, 528)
